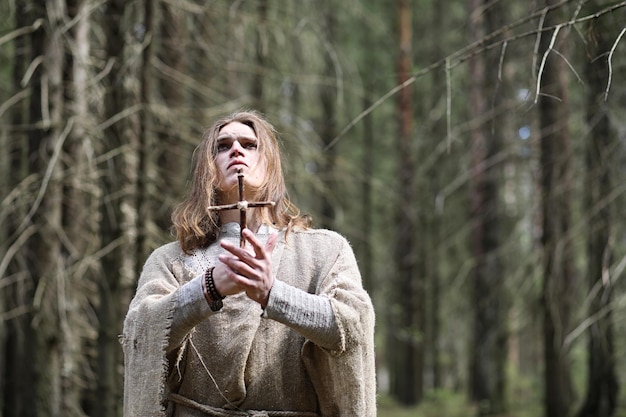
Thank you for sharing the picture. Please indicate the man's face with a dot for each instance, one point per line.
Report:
(238, 148)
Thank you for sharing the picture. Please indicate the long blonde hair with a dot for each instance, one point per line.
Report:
(194, 225)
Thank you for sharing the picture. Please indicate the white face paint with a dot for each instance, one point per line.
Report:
(238, 149)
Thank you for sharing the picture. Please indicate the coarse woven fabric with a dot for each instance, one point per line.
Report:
(238, 360)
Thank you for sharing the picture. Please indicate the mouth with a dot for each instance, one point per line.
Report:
(239, 164)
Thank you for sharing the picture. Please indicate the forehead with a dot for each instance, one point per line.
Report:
(236, 130)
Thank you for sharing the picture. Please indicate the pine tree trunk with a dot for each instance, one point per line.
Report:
(488, 353)
(434, 222)
(261, 51)
(172, 131)
(405, 340)
(368, 167)
(602, 384)
(18, 356)
(45, 144)
(80, 223)
(556, 183)
(147, 172)
(118, 207)
(328, 124)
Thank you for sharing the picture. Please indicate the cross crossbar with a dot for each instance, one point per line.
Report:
(242, 205)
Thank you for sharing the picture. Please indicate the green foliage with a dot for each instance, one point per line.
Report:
(435, 404)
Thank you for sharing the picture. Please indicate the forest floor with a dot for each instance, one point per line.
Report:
(446, 404)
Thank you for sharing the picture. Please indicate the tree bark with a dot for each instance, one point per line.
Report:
(118, 210)
(45, 144)
(436, 175)
(406, 327)
(172, 129)
(602, 384)
(488, 347)
(19, 368)
(80, 224)
(328, 123)
(367, 210)
(261, 52)
(147, 155)
(556, 183)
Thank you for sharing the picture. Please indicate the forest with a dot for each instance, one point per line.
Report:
(473, 152)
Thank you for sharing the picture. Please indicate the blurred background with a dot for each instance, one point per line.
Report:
(472, 151)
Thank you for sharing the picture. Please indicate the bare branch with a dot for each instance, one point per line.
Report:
(610, 63)
(448, 106)
(370, 109)
(84, 13)
(474, 49)
(21, 31)
(13, 313)
(13, 100)
(183, 79)
(15, 247)
(48, 174)
(501, 62)
(117, 117)
(589, 321)
(543, 61)
(538, 39)
(31, 70)
(580, 80)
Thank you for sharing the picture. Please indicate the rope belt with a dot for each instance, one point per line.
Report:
(220, 412)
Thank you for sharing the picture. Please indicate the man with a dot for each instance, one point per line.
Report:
(278, 326)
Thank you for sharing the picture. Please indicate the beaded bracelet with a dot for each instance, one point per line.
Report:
(212, 295)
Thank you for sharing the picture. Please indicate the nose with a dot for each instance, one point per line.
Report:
(236, 149)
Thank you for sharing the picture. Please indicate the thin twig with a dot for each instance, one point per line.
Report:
(13, 313)
(21, 31)
(474, 49)
(602, 312)
(542, 20)
(501, 63)
(580, 80)
(47, 175)
(30, 70)
(13, 100)
(15, 247)
(84, 14)
(370, 109)
(610, 63)
(448, 107)
(117, 117)
(543, 61)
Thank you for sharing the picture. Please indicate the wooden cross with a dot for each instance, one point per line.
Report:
(242, 205)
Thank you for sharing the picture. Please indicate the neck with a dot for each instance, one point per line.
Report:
(232, 216)
(232, 195)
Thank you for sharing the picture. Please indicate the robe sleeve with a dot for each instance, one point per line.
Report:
(145, 337)
(345, 379)
(309, 314)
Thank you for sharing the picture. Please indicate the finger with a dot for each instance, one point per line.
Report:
(271, 243)
(235, 249)
(241, 276)
(239, 267)
(257, 247)
(238, 257)
(261, 251)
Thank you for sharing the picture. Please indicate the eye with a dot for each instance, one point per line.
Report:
(222, 146)
(250, 145)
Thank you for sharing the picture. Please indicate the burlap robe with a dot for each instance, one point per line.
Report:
(236, 359)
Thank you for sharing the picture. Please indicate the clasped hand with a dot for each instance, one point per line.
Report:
(246, 269)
